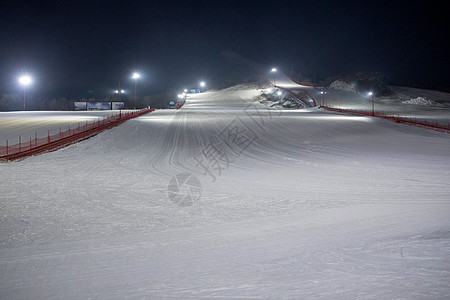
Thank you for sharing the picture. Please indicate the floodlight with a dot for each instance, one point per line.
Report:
(135, 76)
(25, 80)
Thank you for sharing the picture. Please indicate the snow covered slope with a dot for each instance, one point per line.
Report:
(227, 199)
(28, 123)
(407, 102)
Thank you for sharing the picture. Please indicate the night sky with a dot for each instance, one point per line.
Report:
(72, 47)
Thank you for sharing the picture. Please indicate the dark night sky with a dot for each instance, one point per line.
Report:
(75, 46)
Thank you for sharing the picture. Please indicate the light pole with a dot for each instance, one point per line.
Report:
(25, 81)
(323, 97)
(373, 107)
(274, 70)
(135, 76)
(119, 92)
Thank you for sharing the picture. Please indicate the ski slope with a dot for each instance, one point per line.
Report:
(420, 104)
(226, 199)
(28, 124)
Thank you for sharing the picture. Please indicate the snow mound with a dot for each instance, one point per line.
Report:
(421, 101)
(239, 87)
(341, 85)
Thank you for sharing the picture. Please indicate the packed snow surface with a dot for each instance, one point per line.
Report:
(227, 199)
(28, 124)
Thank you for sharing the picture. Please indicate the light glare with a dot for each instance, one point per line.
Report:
(25, 80)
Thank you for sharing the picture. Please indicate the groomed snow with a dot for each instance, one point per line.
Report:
(225, 199)
(29, 123)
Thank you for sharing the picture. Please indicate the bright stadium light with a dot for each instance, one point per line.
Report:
(25, 81)
(273, 70)
(202, 84)
(135, 76)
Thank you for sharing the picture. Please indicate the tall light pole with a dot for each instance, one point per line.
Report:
(135, 76)
(119, 92)
(323, 97)
(373, 107)
(25, 81)
(274, 70)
